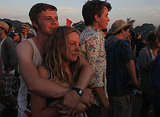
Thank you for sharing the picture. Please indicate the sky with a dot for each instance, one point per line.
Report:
(143, 11)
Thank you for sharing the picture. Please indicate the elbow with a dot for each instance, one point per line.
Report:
(31, 88)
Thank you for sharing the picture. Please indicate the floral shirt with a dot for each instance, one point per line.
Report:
(92, 48)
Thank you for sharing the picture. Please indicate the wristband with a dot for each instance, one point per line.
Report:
(79, 91)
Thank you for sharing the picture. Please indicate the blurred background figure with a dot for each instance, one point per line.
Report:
(24, 31)
(144, 65)
(155, 86)
(16, 38)
(9, 63)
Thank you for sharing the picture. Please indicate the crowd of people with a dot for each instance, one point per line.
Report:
(66, 73)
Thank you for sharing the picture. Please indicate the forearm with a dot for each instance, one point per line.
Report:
(132, 71)
(100, 93)
(47, 88)
(85, 74)
(35, 83)
(84, 77)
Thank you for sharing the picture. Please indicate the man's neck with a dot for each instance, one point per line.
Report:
(95, 25)
(40, 41)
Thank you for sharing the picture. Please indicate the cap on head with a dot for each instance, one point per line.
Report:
(4, 25)
(118, 25)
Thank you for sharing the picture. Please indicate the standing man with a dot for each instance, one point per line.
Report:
(44, 19)
(95, 15)
(121, 73)
(8, 60)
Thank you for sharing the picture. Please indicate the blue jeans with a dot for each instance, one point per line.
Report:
(121, 106)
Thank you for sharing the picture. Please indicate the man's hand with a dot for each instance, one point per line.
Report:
(71, 99)
(105, 110)
(63, 111)
(87, 97)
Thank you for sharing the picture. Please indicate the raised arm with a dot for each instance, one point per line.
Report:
(31, 76)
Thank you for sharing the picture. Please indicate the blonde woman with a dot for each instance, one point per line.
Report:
(61, 65)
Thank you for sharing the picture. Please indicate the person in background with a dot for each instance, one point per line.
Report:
(144, 65)
(95, 15)
(121, 72)
(11, 29)
(9, 62)
(31, 33)
(16, 38)
(24, 31)
(44, 19)
(155, 85)
(139, 43)
(2, 82)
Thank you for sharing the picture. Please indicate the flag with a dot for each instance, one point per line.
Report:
(68, 22)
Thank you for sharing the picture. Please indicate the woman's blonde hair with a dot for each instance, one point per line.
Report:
(55, 48)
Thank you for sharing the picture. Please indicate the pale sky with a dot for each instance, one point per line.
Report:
(143, 11)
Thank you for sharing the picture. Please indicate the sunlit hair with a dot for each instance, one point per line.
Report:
(38, 8)
(55, 48)
(93, 7)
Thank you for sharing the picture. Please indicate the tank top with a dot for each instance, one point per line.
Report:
(24, 94)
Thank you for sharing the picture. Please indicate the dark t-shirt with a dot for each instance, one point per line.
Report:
(118, 54)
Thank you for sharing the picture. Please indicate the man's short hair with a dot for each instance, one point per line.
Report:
(93, 7)
(38, 8)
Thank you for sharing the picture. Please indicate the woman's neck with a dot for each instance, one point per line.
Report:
(68, 71)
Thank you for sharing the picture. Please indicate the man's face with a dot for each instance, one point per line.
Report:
(126, 34)
(103, 19)
(47, 22)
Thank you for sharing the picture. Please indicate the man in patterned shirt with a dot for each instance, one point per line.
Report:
(121, 73)
(95, 14)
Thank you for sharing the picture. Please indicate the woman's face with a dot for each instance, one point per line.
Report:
(72, 47)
